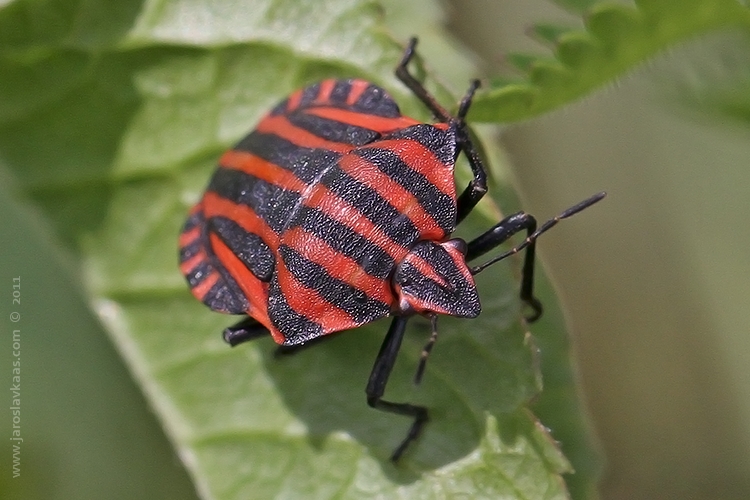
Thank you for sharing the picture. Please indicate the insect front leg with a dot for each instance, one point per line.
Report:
(499, 234)
(511, 225)
(381, 370)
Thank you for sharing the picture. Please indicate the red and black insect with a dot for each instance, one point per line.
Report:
(337, 211)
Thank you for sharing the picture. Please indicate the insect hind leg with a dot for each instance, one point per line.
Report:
(402, 73)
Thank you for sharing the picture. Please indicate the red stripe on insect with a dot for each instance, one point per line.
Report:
(427, 270)
(255, 291)
(401, 199)
(188, 237)
(357, 89)
(342, 211)
(324, 95)
(293, 102)
(261, 169)
(310, 304)
(459, 259)
(337, 265)
(372, 122)
(280, 126)
(189, 265)
(201, 289)
(243, 215)
(422, 160)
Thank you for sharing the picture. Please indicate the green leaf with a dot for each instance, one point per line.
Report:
(111, 121)
(575, 5)
(713, 79)
(616, 39)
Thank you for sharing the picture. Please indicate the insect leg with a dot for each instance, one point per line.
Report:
(426, 350)
(477, 188)
(402, 73)
(246, 330)
(511, 225)
(499, 234)
(381, 370)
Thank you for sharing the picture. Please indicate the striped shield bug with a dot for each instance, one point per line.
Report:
(336, 211)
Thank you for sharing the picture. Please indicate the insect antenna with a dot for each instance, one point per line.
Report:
(463, 108)
(530, 239)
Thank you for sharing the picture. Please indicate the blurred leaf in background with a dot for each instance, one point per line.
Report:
(654, 283)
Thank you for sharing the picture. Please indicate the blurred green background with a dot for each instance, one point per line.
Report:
(655, 285)
(657, 282)
(87, 431)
